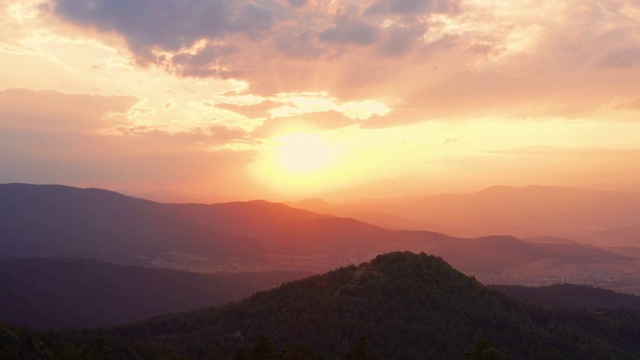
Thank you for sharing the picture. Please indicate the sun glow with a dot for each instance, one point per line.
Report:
(299, 153)
(300, 164)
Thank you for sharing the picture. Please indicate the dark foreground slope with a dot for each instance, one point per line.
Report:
(572, 296)
(408, 307)
(55, 293)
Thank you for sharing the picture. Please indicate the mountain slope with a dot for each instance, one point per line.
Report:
(74, 293)
(572, 296)
(52, 220)
(408, 306)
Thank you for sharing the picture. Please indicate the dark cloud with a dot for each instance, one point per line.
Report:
(400, 40)
(350, 31)
(299, 45)
(245, 39)
(298, 3)
(622, 58)
(252, 19)
(413, 7)
(210, 61)
(168, 24)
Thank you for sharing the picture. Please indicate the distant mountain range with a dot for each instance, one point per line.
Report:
(51, 220)
(530, 211)
(396, 306)
(625, 236)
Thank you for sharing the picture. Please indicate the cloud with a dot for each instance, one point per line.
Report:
(215, 135)
(305, 103)
(91, 140)
(400, 40)
(230, 39)
(302, 45)
(298, 3)
(169, 25)
(349, 31)
(328, 120)
(208, 61)
(623, 58)
(55, 111)
(47, 111)
(413, 7)
(449, 59)
(258, 110)
(629, 104)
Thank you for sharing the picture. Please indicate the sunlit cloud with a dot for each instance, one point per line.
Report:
(304, 103)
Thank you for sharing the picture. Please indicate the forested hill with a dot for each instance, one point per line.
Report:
(572, 296)
(397, 306)
(56, 293)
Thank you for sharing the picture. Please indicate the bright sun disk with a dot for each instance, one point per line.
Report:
(300, 153)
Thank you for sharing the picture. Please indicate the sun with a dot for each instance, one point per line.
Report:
(301, 153)
(300, 164)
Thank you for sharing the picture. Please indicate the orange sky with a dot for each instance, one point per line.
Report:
(285, 99)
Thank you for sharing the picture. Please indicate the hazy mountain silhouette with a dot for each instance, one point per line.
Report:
(396, 306)
(617, 237)
(75, 293)
(524, 212)
(52, 220)
(549, 240)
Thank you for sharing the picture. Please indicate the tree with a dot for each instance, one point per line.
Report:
(361, 350)
(265, 349)
(484, 351)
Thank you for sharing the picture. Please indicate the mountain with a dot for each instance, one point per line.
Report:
(529, 211)
(52, 220)
(396, 306)
(357, 211)
(626, 236)
(254, 236)
(549, 240)
(59, 293)
(572, 296)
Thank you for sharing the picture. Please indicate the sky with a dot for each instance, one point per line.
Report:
(287, 99)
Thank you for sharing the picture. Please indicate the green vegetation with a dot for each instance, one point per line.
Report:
(572, 296)
(57, 293)
(397, 306)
